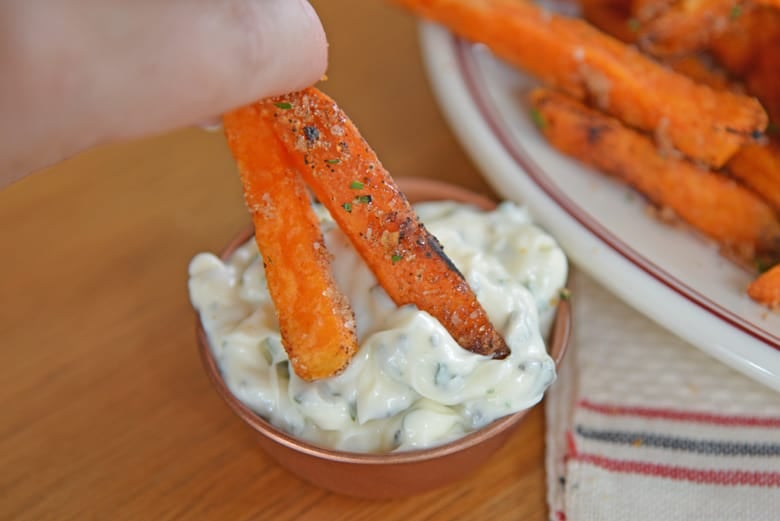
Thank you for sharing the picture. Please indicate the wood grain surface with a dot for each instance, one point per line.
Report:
(106, 411)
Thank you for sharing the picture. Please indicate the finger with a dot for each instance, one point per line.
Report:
(109, 70)
(194, 65)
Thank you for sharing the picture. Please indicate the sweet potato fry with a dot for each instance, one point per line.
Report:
(685, 26)
(763, 79)
(316, 322)
(758, 168)
(734, 47)
(575, 57)
(755, 29)
(715, 205)
(348, 179)
(766, 288)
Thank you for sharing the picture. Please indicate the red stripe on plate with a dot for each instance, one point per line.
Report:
(703, 476)
(678, 415)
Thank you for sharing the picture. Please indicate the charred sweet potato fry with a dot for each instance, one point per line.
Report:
(766, 288)
(575, 57)
(758, 168)
(347, 178)
(315, 320)
(684, 26)
(715, 205)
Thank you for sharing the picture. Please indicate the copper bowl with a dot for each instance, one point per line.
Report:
(383, 476)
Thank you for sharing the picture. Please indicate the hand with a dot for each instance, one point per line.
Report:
(78, 73)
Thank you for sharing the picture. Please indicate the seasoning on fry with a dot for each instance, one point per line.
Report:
(406, 259)
(718, 207)
(575, 57)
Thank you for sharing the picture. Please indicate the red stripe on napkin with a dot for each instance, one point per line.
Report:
(688, 416)
(713, 477)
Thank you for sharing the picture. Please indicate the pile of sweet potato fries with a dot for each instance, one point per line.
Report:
(285, 146)
(677, 98)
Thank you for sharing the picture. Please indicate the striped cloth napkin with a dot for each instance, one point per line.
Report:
(642, 426)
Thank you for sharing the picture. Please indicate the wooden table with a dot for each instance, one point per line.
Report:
(106, 412)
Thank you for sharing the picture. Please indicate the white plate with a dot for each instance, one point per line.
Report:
(669, 274)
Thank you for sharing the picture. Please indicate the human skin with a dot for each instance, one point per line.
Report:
(79, 73)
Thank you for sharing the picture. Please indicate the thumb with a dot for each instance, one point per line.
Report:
(118, 69)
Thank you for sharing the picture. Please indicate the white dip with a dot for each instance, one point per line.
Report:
(410, 386)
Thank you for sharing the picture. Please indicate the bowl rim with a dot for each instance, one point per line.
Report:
(558, 342)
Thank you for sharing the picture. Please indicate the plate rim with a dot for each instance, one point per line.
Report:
(736, 342)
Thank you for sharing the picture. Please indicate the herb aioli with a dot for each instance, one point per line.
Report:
(410, 386)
